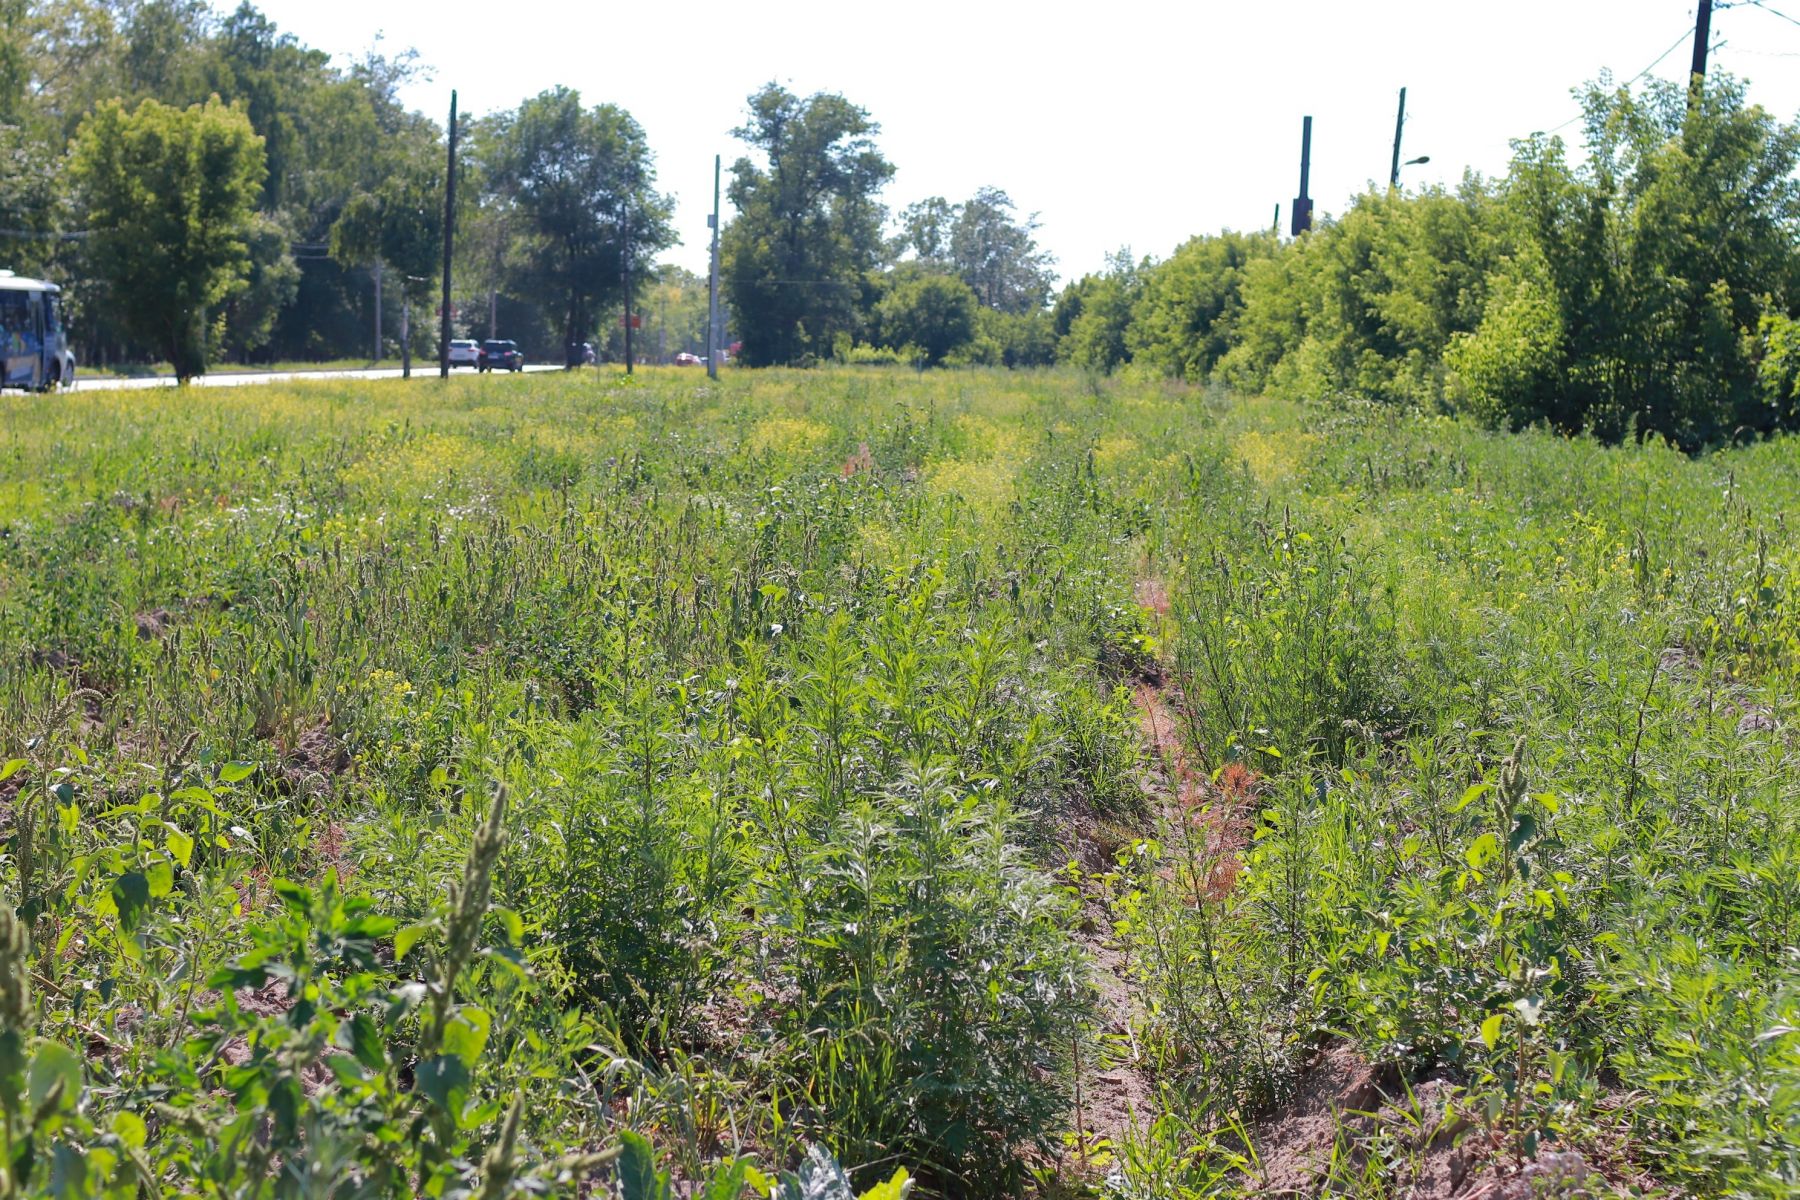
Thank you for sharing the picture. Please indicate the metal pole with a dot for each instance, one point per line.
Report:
(377, 357)
(1301, 219)
(1702, 35)
(712, 300)
(1399, 127)
(405, 330)
(449, 241)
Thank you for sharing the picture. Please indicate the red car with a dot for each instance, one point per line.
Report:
(500, 356)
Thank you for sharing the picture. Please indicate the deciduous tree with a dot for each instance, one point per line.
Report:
(796, 260)
(171, 196)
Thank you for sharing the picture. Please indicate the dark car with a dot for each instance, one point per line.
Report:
(500, 356)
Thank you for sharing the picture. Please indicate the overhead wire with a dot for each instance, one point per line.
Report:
(1773, 12)
(1654, 63)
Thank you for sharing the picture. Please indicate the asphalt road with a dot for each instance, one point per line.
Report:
(113, 383)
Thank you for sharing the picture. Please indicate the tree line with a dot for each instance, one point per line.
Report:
(1650, 288)
(211, 189)
(208, 189)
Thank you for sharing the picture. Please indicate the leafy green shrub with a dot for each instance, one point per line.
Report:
(934, 313)
(1506, 372)
(939, 997)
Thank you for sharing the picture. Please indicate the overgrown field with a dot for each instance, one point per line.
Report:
(1030, 782)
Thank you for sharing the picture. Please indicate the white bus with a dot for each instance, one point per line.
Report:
(34, 347)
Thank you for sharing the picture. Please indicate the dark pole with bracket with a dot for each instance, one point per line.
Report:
(1399, 128)
(1302, 214)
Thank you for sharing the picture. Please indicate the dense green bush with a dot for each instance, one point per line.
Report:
(935, 314)
(1625, 292)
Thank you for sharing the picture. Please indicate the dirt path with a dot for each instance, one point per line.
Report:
(1116, 1087)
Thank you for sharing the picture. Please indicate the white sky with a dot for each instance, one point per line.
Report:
(1125, 123)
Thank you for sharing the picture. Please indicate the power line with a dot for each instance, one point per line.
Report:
(45, 235)
(1759, 4)
(1654, 63)
(1658, 60)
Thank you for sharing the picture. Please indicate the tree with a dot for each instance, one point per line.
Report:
(935, 314)
(1093, 314)
(1187, 317)
(579, 183)
(170, 195)
(982, 243)
(797, 260)
(270, 286)
(400, 224)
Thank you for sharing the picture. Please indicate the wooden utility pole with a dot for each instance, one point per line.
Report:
(712, 295)
(625, 278)
(1702, 35)
(1301, 220)
(449, 241)
(1399, 129)
(1275, 228)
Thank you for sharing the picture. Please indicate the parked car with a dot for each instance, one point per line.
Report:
(500, 356)
(684, 359)
(465, 353)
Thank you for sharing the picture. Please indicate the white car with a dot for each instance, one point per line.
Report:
(465, 353)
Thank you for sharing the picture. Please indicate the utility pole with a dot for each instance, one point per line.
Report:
(1702, 35)
(1301, 220)
(377, 357)
(1275, 228)
(625, 278)
(712, 297)
(405, 330)
(449, 240)
(1399, 128)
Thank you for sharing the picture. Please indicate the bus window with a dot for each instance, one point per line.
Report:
(15, 320)
(52, 314)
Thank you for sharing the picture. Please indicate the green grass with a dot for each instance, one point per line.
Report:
(414, 788)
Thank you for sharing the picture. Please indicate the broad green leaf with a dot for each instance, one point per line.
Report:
(1471, 796)
(896, 1188)
(515, 925)
(236, 772)
(1490, 1031)
(161, 875)
(445, 1082)
(1482, 850)
(1523, 831)
(13, 767)
(54, 1065)
(365, 1041)
(180, 847)
(298, 899)
(637, 1174)
(1530, 1010)
(131, 896)
(727, 1181)
(466, 1034)
(409, 937)
(130, 1129)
